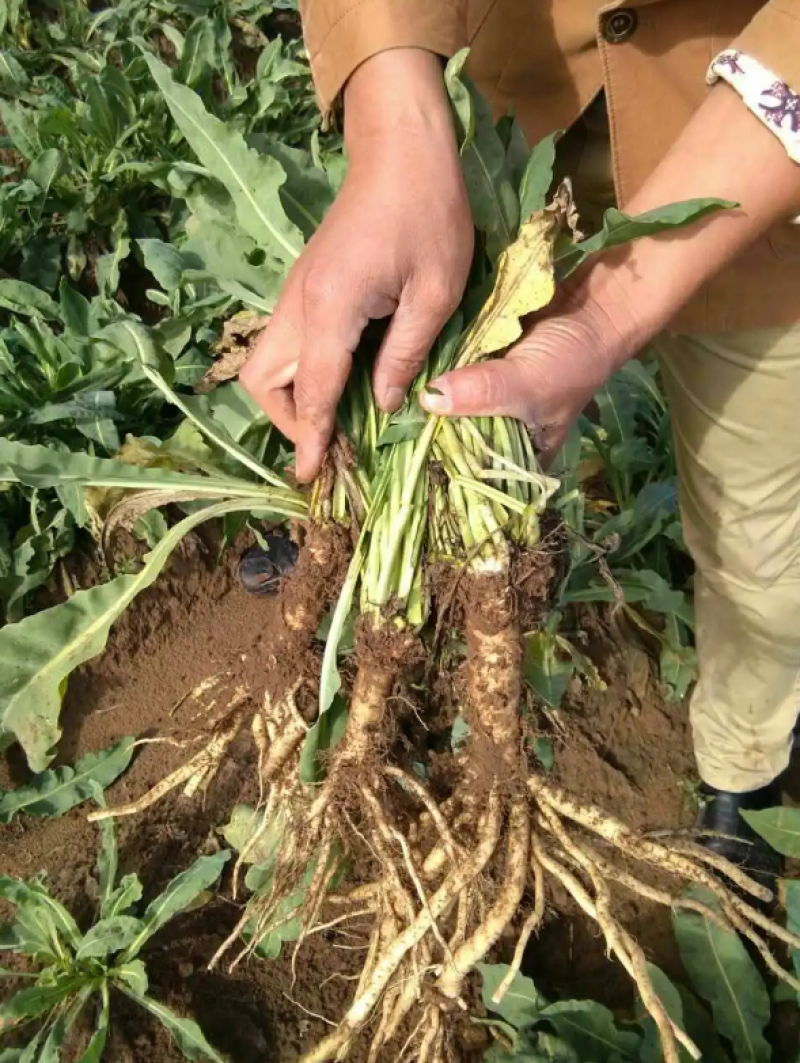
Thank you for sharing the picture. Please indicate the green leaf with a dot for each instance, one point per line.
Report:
(723, 974)
(326, 733)
(643, 585)
(245, 822)
(259, 880)
(76, 312)
(51, 1049)
(651, 1049)
(544, 669)
(28, 937)
(125, 896)
(589, 1029)
(38, 653)
(494, 203)
(544, 751)
(12, 74)
(700, 1027)
(29, 566)
(97, 1044)
(780, 827)
(619, 228)
(109, 936)
(177, 896)
(136, 341)
(185, 1032)
(534, 1046)
(34, 1001)
(538, 176)
(459, 733)
(198, 55)
(46, 920)
(406, 424)
(151, 527)
(107, 269)
(21, 125)
(38, 466)
(31, 1051)
(522, 1004)
(198, 409)
(134, 975)
(52, 793)
(515, 143)
(253, 180)
(164, 261)
(107, 856)
(216, 245)
(307, 193)
(678, 661)
(46, 169)
(28, 301)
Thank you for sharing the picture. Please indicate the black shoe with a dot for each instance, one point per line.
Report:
(260, 571)
(742, 846)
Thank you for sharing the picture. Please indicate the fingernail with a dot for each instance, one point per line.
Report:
(435, 399)
(306, 467)
(393, 399)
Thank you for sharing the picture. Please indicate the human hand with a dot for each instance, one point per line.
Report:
(552, 373)
(398, 241)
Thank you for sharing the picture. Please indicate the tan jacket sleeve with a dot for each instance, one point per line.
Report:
(342, 34)
(773, 38)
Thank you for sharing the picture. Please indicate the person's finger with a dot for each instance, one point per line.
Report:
(413, 330)
(279, 407)
(332, 326)
(502, 387)
(273, 362)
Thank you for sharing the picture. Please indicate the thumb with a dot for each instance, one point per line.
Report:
(501, 387)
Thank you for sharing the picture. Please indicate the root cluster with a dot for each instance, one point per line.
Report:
(425, 875)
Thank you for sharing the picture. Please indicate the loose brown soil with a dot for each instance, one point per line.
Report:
(627, 748)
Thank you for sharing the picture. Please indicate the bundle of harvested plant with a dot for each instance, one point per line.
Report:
(425, 855)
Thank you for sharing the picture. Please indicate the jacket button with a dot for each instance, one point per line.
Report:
(619, 26)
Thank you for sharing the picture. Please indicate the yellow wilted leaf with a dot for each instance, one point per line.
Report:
(525, 280)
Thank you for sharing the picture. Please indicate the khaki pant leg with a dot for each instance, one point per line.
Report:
(735, 402)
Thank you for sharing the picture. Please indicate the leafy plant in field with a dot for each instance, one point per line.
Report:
(76, 971)
(54, 792)
(725, 1012)
(619, 505)
(71, 378)
(259, 851)
(92, 209)
(95, 143)
(640, 533)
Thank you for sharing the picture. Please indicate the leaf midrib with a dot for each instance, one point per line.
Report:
(293, 252)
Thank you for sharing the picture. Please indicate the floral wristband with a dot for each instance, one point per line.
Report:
(770, 99)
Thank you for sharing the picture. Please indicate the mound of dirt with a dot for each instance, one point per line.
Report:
(626, 748)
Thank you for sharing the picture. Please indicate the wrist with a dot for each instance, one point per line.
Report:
(400, 91)
(603, 309)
